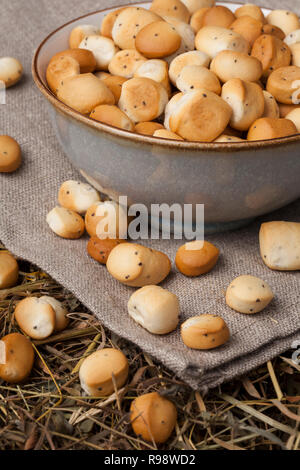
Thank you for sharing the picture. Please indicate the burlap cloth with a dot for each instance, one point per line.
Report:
(27, 196)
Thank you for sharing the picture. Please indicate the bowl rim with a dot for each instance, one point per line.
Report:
(129, 136)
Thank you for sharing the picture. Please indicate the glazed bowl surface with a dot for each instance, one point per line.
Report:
(235, 181)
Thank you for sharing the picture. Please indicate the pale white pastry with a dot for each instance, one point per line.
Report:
(35, 317)
(156, 70)
(248, 294)
(104, 49)
(77, 196)
(246, 100)
(61, 318)
(155, 309)
(280, 245)
(11, 71)
(65, 223)
(80, 32)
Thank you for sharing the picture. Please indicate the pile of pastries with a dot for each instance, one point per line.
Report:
(185, 70)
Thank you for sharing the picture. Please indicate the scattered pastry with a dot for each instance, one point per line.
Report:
(138, 266)
(153, 417)
(155, 309)
(77, 196)
(11, 71)
(66, 223)
(280, 245)
(100, 250)
(10, 154)
(103, 372)
(36, 317)
(248, 294)
(196, 258)
(106, 220)
(16, 358)
(9, 270)
(205, 332)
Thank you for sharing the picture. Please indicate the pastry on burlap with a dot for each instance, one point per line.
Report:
(31, 192)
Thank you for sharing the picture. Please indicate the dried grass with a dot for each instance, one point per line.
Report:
(260, 411)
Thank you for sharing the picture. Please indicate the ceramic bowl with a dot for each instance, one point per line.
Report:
(236, 181)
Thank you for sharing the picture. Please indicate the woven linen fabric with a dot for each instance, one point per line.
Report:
(27, 195)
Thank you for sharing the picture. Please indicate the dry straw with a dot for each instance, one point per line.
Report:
(260, 411)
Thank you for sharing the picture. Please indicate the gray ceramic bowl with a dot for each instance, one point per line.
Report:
(237, 181)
